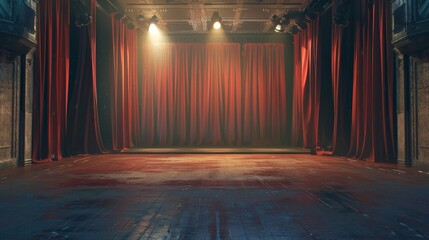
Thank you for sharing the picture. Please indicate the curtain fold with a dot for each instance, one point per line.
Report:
(312, 87)
(83, 125)
(342, 82)
(125, 121)
(361, 82)
(372, 135)
(51, 85)
(308, 84)
(264, 95)
(297, 134)
(194, 95)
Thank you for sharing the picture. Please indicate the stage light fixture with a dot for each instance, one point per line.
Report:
(152, 24)
(280, 23)
(154, 20)
(140, 19)
(293, 30)
(279, 28)
(216, 20)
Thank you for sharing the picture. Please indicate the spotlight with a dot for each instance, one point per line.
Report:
(279, 28)
(153, 28)
(216, 19)
(275, 19)
(280, 23)
(154, 20)
(277, 23)
(217, 25)
(152, 24)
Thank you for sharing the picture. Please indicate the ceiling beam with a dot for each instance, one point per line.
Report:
(236, 22)
(186, 20)
(203, 15)
(194, 13)
(245, 6)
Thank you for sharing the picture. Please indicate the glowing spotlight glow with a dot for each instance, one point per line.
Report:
(217, 25)
(153, 28)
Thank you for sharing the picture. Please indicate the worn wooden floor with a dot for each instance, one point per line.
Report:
(259, 150)
(214, 196)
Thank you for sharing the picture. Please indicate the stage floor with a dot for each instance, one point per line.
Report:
(217, 150)
(214, 196)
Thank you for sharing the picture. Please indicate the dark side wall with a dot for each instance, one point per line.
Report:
(410, 39)
(17, 51)
(413, 108)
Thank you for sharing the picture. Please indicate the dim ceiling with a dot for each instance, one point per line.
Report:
(194, 16)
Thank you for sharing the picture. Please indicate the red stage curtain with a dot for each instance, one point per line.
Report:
(372, 135)
(342, 82)
(51, 86)
(124, 86)
(84, 131)
(311, 87)
(299, 49)
(264, 94)
(367, 132)
(307, 83)
(192, 94)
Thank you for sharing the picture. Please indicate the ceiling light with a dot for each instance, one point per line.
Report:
(216, 19)
(154, 20)
(280, 23)
(153, 28)
(217, 25)
(275, 19)
(152, 24)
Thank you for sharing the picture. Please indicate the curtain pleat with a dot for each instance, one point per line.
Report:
(361, 81)
(372, 130)
(264, 95)
(342, 82)
(194, 95)
(51, 85)
(124, 87)
(307, 84)
(83, 124)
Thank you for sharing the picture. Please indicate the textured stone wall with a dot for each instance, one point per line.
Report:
(400, 108)
(18, 43)
(418, 77)
(29, 72)
(8, 120)
(421, 78)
